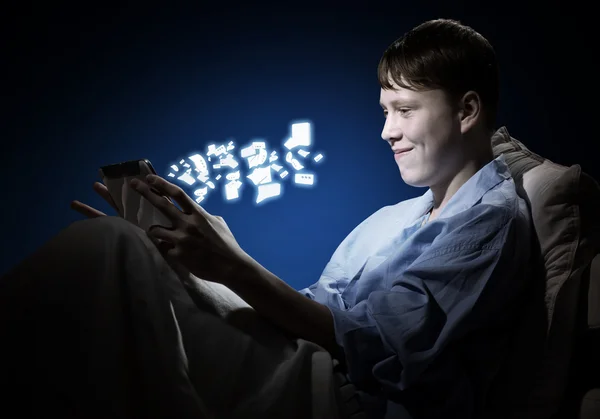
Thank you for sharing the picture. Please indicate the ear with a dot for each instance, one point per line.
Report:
(470, 111)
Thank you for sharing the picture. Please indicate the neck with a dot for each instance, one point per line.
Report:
(442, 193)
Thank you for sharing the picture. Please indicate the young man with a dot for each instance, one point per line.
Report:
(422, 293)
(413, 308)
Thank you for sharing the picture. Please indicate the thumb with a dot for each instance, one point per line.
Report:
(86, 210)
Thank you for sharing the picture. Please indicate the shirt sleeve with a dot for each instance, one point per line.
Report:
(466, 277)
(330, 286)
(327, 290)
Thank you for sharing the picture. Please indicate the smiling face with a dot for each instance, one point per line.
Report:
(424, 130)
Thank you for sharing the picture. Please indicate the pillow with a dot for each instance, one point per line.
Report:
(532, 382)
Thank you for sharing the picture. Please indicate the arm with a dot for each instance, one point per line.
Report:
(285, 307)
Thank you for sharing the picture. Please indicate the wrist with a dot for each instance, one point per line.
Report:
(244, 271)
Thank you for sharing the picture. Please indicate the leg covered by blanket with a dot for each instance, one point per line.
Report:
(97, 324)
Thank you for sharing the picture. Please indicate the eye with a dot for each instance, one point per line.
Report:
(385, 113)
(404, 111)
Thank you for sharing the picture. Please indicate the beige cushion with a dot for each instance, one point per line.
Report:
(533, 380)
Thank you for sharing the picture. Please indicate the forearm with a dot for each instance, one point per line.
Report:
(285, 307)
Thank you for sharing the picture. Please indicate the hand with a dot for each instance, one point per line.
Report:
(200, 242)
(90, 212)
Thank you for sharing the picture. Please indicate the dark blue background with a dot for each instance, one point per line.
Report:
(89, 87)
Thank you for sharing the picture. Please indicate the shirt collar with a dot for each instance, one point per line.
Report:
(471, 191)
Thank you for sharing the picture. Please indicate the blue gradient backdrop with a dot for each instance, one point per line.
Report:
(115, 85)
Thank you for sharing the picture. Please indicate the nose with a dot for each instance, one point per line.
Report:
(391, 132)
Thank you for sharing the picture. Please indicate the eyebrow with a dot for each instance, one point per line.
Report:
(396, 102)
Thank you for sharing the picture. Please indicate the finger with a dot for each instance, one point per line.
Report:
(102, 190)
(162, 245)
(86, 210)
(158, 232)
(160, 202)
(185, 202)
(165, 241)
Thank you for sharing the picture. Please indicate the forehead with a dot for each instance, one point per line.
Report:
(400, 95)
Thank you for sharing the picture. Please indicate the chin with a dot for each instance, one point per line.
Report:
(414, 180)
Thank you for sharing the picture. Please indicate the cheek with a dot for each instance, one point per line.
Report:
(440, 130)
(423, 124)
(414, 130)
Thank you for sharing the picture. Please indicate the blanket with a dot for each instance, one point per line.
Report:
(102, 326)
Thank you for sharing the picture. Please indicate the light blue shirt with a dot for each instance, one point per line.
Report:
(411, 301)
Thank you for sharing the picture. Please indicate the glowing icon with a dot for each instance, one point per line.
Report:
(260, 175)
(270, 190)
(255, 154)
(200, 194)
(304, 178)
(300, 136)
(187, 177)
(289, 157)
(233, 186)
(213, 150)
(229, 161)
(262, 165)
(199, 162)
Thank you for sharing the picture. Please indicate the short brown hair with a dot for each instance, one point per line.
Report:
(444, 54)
